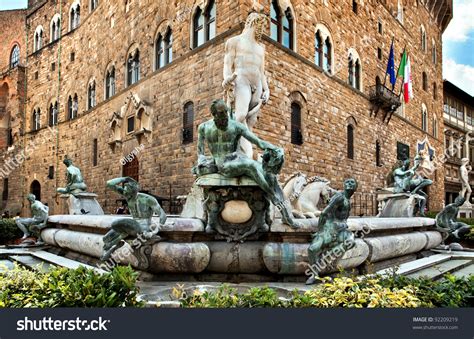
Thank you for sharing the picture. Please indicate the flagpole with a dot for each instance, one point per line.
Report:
(401, 87)
(386, 73)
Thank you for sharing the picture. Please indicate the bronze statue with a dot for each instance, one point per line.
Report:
(75, 183)
(222, 135)
(333, 233)
(37, 222)
(446, 220)
(142, 208)
(406, 180)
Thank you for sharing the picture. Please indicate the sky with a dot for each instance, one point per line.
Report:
(458, 43)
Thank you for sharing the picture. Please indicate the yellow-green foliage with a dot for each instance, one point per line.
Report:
(64, 287)
(347, 292)
(395, 291)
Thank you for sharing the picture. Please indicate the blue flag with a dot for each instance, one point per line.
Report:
(391, 67)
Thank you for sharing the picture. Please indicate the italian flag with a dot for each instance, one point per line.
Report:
(405, 71)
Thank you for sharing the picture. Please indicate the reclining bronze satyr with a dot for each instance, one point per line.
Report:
(142, 208)
(446, 220)
(37, 222)
(222, 135)
(333, 234)
(75, 183)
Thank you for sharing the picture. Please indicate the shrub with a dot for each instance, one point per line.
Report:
(62, 287)
(396, 291)
(8, 230)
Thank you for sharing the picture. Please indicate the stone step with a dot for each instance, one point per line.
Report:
(438, 270)
(417, 265)
(465, 271)
(32, 262)
(61, 261)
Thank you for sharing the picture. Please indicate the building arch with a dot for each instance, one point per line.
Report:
(35, 188)
(355, 69)
(55, 28)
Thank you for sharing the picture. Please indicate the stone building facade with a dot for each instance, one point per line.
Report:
(126, 83)
(12, 105)
(458, 115)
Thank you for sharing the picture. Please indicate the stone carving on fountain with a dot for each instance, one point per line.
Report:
(406, 198)
(140, 228)
(237, 190)
(78, 200)
(37, 222)
(305, 194)
(333, 234)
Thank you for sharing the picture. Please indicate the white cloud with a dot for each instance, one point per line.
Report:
(460, 75)
(462, 23)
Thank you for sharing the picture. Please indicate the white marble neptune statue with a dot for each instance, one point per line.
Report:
(245, 82)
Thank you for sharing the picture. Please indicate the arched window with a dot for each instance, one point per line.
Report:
(36, 119)
(38, 39)
(423, 38)
(133, 68)
(188, 123)
(70, 113)
(55, 28)
(35, 189)
(378, 151)
(94, 4)
(435, 91)
(318, 50)
(53, 114)
(281, 25)
(91, 98)
(425, 81)
(110, 83)
(204, 24)
(75, 16)
(433, 51)
(354, 70)
(424, 118)
(350, 141)
(164, 49)
(435, 127)
(327, 55)
(15, 56)
(296, 128)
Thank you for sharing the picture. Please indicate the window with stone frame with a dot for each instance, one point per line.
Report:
(72, 107)
(91, 95)
(36, 123)
(424, 119)
(435, 127)
(354, 71)
(53, 114)
(75, 16)
(296, 124)
(188, 123)
(95, 153)
(15, 56)
(350, 141)
(435, 91)
(93, 4)
(318, 50)
(55, 28)
(433, 52)
(425, 81)
(5, 190)
(423, 38)
(110, 83)
(281, 25)
(204, 24)
(38, 39)
(327, 50)
(130, 124)
(133, 68)
(378, 156)
(164, 49)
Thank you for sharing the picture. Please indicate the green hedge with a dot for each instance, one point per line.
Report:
(397, 291)
(64, 287)
(9, 231)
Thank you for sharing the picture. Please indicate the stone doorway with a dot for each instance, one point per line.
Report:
(35, 189)
(131, 169)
